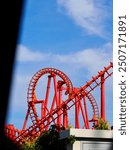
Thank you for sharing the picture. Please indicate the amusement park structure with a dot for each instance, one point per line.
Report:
(58, 98)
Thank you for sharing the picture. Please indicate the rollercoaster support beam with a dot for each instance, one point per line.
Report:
(83, 115)
(43, 112)
(103, 97)
(65, 116)
(60, 102)
(86, 112)
(76, 114)
(57, 99)
(26, 118)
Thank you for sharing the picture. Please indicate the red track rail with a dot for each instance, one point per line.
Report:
(64, 80)
(31, 96)
(11, 131)
(36, 129)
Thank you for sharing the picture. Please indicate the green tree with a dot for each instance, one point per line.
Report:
(102, 125)
(50, 139)
(28, 146)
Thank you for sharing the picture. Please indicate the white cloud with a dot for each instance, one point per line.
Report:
(92, 59)
(24, 54)
(89, 58)
(88, 14)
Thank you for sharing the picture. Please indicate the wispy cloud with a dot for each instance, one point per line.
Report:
(92, 59)
(91, 15)
(24, 54)
(89, 58)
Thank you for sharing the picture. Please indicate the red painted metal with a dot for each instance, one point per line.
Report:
(11, 131)
(58, 98)
(102, 97)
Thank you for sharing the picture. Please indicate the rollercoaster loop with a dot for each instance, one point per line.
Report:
(58, 98)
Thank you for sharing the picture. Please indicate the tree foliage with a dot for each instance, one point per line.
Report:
(102, 125)
(50, 140)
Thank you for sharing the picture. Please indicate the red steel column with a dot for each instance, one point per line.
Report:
(102, 97)
(86, 112)
(76, 113)
(43, 111)
(65, 117)
(57, 99)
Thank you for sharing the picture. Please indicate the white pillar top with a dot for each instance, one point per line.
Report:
(87, 133)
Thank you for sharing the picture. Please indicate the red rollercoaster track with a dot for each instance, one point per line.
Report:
(58, 97)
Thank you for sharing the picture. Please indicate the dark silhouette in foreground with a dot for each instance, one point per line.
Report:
(11, 12)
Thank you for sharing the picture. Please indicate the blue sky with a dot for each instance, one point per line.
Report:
(70, 35)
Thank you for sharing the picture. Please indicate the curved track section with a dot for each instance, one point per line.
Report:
(55, 77)
(37, 128)
(86, 110)
(94, 106)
